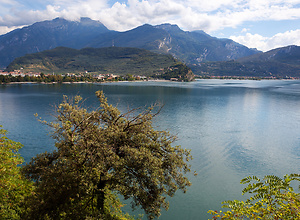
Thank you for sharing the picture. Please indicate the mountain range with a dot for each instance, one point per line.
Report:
(190, 47)
(204, 54)
(279, 62)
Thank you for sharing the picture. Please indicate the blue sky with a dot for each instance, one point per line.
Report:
(261, 24)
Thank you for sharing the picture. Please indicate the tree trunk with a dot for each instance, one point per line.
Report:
(100, 195)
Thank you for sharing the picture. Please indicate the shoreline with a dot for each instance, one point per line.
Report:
(151, 80)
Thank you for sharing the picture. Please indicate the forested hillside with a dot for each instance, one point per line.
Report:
(112, 60)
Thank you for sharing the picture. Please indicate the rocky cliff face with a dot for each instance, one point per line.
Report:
(197, 46)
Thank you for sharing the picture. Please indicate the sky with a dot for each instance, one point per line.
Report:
(261, 24)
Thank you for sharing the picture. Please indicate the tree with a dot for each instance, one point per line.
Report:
(274, 198)
(178, 71)
(103, 150)
(13, 186)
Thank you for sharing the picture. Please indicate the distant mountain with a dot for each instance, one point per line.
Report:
(280, 62)
(110, 60)
(48, 35)
(190, 47)
(288, 55)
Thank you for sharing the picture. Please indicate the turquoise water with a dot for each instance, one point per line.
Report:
(234, 128)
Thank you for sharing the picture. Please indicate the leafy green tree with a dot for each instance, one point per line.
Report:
(13, 186)
(104, 150)
(130, 77)
(26, 78)
(178, 71)
(273, 198)
(2, 78)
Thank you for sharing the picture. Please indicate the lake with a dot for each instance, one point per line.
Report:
(234, 128)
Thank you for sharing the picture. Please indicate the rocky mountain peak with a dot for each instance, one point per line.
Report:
(168, 27)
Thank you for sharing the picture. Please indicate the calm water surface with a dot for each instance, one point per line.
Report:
(234, 128)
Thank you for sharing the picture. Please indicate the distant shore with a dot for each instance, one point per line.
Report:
(150, 80)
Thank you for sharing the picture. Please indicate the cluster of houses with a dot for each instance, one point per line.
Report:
(103, 77)
(107, 76)
(17, 73)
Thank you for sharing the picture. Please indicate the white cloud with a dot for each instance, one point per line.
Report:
(73, 10)
(125, 16)
(245, 30)
(21, 18)
(194, 15)
(188, 14)
(4, 30)
(18, 14)
(251, 40)
(265, 43)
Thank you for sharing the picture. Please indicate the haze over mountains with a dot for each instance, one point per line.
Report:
(203, 53)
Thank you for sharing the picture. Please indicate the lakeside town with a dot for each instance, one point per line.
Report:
(18, 76)
(177, 72)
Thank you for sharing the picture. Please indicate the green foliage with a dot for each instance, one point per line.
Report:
(178, 71)
(47, 78)
(273, 198)
(115, 60)
(249, 68)
(13, 186)
(104, 150)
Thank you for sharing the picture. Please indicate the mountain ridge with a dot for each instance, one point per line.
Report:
(47, 35)
(109, 60)
(190, 47)
(280, 63)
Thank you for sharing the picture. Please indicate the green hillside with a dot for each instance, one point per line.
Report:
(280, 62)
(114, 60)
(249, 69)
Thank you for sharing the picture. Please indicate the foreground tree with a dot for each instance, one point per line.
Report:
(274, 198)
(13, 186)
(104, 151)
